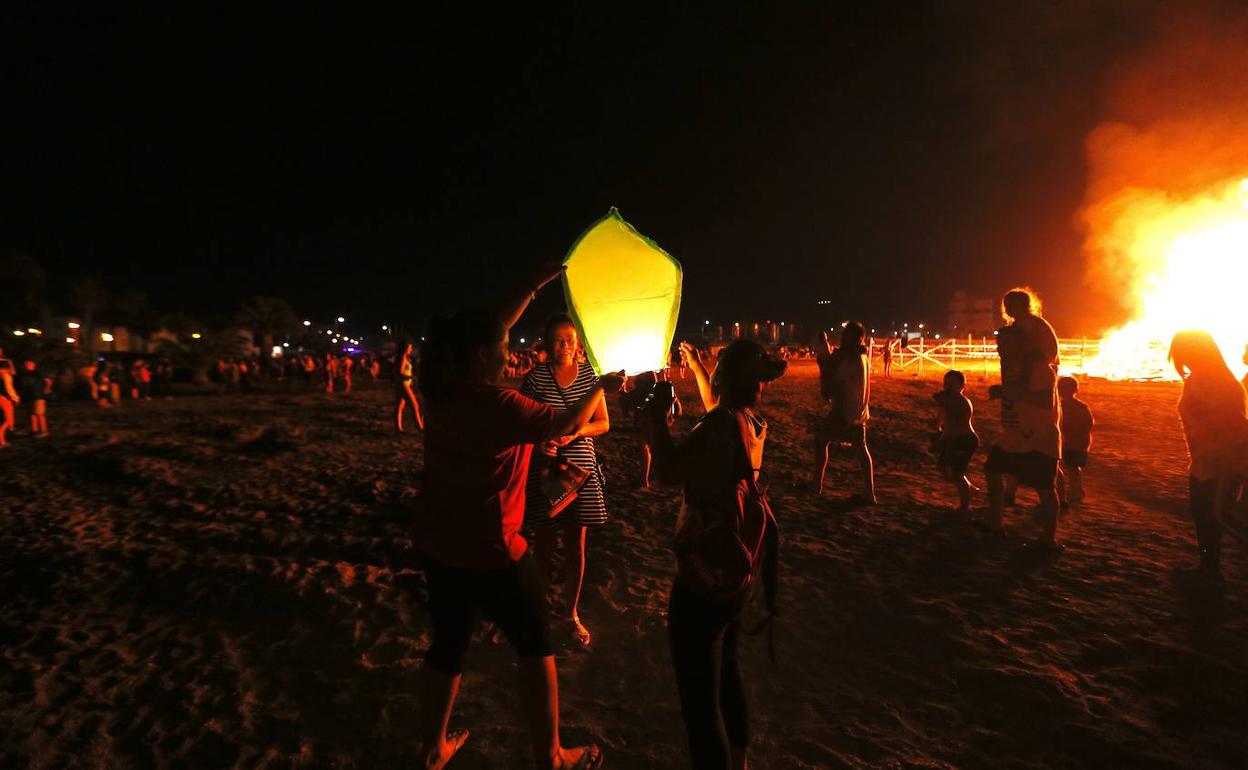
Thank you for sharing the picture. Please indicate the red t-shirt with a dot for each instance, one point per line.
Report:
(477, 447)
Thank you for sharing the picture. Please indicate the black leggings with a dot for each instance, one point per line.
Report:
(703, 634)
(1204, 499)
(513, 598)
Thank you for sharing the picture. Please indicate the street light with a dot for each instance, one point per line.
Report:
(105, 336)
(307, 323)
(19, 333)
(341, 320)
(74, 325)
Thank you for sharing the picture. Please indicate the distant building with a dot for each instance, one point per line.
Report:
(768, 332)
(978, 316)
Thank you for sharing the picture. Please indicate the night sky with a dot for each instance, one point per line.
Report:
(391, 167)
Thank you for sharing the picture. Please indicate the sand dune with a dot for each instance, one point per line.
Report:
(229, 582)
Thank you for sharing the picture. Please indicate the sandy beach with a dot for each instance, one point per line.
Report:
(229, 582)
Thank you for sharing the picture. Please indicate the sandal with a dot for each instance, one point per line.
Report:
(580, 632)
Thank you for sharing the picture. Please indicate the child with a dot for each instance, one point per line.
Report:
(957, 441)
(1077, 425)
(33, 388)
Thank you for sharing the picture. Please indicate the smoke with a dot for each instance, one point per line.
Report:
(1175, 126)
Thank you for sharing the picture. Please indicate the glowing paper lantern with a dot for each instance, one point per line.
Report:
(624, 294)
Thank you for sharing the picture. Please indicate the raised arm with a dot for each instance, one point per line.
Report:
(511, 310)
(694, 361)
(670, 462)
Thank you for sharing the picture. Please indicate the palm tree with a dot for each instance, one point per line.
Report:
(132, 310)
(266, 317)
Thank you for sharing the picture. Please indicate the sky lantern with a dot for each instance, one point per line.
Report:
(624, 295)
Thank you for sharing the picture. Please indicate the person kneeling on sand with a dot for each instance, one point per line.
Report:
(479, 437)
(726, 539)
(845, 381)
(956, 440)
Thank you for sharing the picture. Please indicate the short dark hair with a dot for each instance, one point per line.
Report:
(742, 366)
(448, 349)
(959, 377)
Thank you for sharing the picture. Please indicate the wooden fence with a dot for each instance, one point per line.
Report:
(971, 355)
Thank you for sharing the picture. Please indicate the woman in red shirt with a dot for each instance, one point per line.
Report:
(478, 439)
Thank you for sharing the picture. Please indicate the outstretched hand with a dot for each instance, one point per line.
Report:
(689, 354)
(548, 272)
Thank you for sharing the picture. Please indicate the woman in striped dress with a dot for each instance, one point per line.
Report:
(560, 383)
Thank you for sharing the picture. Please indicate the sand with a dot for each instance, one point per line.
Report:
(229, 582)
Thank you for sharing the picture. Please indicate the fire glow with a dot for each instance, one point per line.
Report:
(1184, 263)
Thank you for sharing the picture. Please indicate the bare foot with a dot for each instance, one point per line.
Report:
(437, 758)
(579, 758)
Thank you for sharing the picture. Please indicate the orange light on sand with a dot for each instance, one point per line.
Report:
(1185, 266)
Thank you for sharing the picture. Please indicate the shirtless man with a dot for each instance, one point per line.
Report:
(845, 381)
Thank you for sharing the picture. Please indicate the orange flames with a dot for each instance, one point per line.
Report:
(1186, 267)
(1166, 207)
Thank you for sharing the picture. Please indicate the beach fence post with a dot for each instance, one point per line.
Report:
(921, 356)
(953, 354)
(983, 352)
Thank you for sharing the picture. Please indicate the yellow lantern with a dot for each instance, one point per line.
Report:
(624, 295)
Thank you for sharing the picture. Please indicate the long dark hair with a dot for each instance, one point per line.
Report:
(1197, 351)
(446, 356)
(548, 334)
(852, 334)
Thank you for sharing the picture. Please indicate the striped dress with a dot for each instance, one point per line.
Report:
(589, 509)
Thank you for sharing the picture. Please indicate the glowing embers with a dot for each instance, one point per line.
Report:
(624, 293)
(1183, 265)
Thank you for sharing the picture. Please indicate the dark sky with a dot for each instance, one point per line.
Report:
(389, 167)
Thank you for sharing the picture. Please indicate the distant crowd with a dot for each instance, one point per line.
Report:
(27, 386)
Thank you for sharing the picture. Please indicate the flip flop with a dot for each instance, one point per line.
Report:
(591, 759)
(580, 632)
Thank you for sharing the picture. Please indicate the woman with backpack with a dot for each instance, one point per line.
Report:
(726, 542)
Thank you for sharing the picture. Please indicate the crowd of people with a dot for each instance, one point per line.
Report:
(507, 467)
(494, 455)
(111, 379)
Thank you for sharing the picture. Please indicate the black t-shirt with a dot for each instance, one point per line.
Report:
(30, 386)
